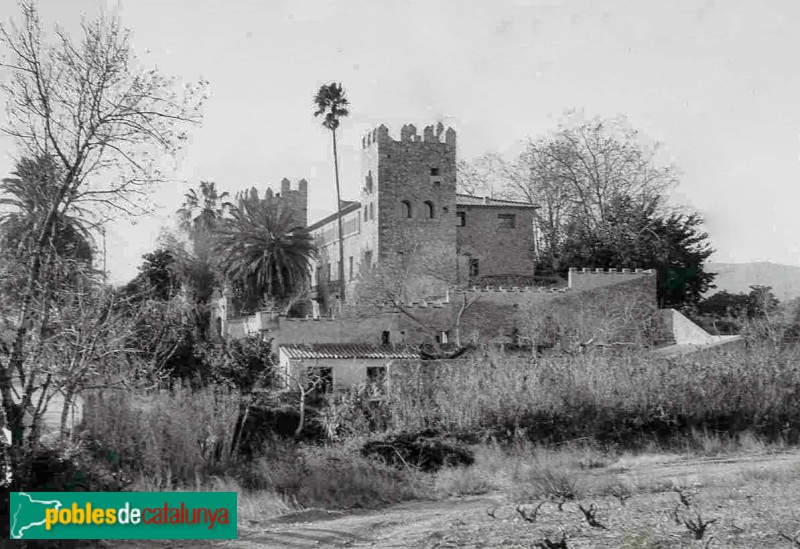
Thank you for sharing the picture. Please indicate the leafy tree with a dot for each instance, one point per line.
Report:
(202, 211)
(331, 102)
(157, 277)
(761, 301)
(263, 251)
(673, 243)
(26, 196)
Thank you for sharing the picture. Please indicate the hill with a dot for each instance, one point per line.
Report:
(738, 277)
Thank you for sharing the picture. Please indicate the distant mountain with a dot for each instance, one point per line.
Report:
(738, 277)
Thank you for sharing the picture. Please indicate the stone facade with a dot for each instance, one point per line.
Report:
(409, 206)
(496, 236)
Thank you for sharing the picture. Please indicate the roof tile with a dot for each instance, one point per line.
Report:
(348, 350)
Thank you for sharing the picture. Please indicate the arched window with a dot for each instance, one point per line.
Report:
(407, 209)
(430, 207)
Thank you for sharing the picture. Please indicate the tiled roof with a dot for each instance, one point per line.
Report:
(468, 200)
(348, 350)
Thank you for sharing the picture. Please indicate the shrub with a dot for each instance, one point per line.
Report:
(330, 477)
(171, 437)
(423, 450)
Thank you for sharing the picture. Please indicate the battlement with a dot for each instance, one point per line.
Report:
(585, 278)
(586, 270)
(408, 134)
(293, 196)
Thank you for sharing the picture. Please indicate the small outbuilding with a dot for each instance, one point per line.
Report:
(338, 366)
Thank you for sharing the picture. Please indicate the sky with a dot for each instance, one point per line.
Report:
(716, 83)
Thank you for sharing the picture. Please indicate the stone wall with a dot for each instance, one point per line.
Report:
(492, 314)
(500, 250)
(416, 173)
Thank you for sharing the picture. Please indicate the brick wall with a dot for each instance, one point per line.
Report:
(500, 250)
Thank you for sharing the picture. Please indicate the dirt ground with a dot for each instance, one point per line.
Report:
(751, 499)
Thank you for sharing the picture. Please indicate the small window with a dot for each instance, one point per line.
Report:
(368, 181)
(371, 212)
(445, 209)
(506, 221)
(407, 209)
(462, 219)
(351, 268)
(385, 338)
(366, 209)
(368, 259)
(328, 269)
(219, 326)
(474, 269)
(431, 209)
(434, 171)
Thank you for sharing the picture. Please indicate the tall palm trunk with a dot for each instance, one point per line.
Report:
(339, 211)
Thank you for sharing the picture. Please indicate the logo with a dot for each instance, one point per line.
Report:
(123, 515)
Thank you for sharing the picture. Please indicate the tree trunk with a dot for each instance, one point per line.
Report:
(339, 212)
(68, 398)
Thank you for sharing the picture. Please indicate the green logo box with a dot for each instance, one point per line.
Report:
(123, 515)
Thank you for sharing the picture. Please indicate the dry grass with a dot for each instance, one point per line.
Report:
(624, 399)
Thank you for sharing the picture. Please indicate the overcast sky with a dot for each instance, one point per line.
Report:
(717, 83)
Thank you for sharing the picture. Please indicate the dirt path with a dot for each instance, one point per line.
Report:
(464, 522)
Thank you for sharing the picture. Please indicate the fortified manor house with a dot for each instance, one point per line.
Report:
(463, 249)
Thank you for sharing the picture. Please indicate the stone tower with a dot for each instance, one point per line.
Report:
(295, 200)
(408, 199)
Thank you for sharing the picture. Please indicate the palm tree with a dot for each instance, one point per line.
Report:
(331, 102)
(27, 197)
(201, 211)
(262, 250)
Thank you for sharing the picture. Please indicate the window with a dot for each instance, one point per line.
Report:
(219, 326)
(366, 209)
(506, 221)
(445, 209)
(385, 338)
(351, 268)
(431, 210)
(434, 171)
(328, 273)
(371, 212)
(407, 208)
(368, 181)
(462, 219)
(368, 259)
(320, 379)
(474, 269)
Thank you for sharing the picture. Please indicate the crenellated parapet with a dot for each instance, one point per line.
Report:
(293, 195)
(585, 278)
(408, 134)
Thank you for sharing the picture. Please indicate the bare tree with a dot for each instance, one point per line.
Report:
(107, 123)
(419, 272)
(578, 174)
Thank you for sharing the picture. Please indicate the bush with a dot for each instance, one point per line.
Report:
(329, 477)
(172, 437)
(424, 450)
